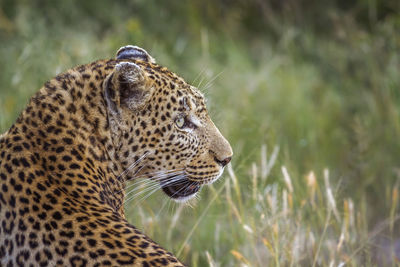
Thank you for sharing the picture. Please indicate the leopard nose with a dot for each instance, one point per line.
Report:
(223, 162)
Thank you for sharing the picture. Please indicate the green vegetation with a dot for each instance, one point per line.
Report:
(318, 79)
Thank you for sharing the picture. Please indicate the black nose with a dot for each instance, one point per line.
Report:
(223, 162)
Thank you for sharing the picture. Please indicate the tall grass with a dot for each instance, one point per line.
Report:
(269, 223)
(313, 119)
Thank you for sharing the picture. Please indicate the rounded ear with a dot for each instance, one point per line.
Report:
(134, 52)
(127, 86)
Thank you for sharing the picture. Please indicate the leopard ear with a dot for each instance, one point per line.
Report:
(134, 52)
(127, 86)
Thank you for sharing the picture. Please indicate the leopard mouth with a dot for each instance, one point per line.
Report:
(181, 190)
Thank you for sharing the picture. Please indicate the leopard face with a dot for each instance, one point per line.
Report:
(161, 127)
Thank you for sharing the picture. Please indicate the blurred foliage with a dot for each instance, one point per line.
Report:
(318, 78)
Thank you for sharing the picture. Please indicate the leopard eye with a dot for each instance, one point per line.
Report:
(180, 122)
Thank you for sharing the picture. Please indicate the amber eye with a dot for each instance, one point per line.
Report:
(180, 122)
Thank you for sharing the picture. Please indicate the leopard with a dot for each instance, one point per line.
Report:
(65, 162)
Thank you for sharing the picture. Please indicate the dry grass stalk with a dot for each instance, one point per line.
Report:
(312, 186)
(330, 198)
(240, 257)
(210, 260)
(393, 208)
(287, 179)
(254, 180)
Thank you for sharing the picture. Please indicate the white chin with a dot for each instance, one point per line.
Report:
(184, 199)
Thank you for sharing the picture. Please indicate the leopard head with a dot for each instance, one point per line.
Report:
(160, 126)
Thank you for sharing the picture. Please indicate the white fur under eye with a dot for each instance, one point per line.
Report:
(195, 121)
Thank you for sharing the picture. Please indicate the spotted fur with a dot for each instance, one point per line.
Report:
(64, 163)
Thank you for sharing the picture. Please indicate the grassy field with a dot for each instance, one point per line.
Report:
(313, 119)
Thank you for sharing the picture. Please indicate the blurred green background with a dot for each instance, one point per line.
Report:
(319, 79)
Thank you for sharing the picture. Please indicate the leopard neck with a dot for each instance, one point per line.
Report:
(70, 115)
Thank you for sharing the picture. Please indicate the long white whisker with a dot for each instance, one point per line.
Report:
(201, 81)
(137, 171)
(152, 184)
(198, 76)
(140, 191)
(152, 189)
(168, 171)
(146, 175)
(157, 178)
(209, 83)
(162, 207)
(133, 165)
(185, 188)
(156, 186)
(145, 197)
(124, 172)
(172, 181)
(149, 194)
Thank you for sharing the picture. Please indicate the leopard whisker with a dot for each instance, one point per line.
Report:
(167, 200)
(146, 175)
(157, 178)
(209, 83)
(174, 181)
(152, 192)
(153, 184)
(199, 75)
(133, 165)
(143, 190)
(128, 169)
(142, 183)
(151, 189)
(154, 179)
(139, 186)
(168, 171)
(145, 197)
(201, 82)
(184, 188)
